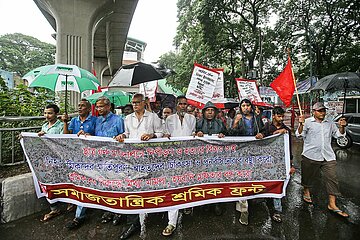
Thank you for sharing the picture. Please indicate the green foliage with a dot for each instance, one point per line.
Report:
(20, 53)
(243, 35)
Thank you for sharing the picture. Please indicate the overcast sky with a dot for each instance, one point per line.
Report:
(154, 22)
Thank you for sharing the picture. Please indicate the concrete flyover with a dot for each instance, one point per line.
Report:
(90, 32)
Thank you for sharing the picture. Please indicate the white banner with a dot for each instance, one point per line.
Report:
(248, 89)
(202, 84)
(149, 90)
(218, 95)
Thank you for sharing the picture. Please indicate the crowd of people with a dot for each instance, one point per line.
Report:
(144, 121)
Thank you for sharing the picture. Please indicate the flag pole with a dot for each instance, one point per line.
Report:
(296, 90)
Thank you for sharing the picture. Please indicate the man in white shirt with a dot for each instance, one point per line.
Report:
(318, 155)
(178, 125)
(143, 125)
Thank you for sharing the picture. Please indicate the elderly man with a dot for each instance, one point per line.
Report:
(143, 125)
(178, 125)
(209, 124)
(84, 124)
(246, 123)
(318, 155)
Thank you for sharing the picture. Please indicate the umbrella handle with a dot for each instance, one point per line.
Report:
(66, 93)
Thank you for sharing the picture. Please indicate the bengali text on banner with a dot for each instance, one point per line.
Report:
(158, 175)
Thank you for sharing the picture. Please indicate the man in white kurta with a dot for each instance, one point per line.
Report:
(143, 125)
(178, 125)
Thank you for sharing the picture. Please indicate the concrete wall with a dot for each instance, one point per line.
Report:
(18, 198)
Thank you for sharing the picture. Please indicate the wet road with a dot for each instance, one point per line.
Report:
(300, 220)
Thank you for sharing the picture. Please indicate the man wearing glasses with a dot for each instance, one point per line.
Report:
(143, 125)
(317, 155)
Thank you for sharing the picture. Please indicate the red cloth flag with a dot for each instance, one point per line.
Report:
(284, 84)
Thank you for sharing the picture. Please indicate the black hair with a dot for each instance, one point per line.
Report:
(278, 110)
(53, 106)
(245, 100)
(88, 104)
(180, 97)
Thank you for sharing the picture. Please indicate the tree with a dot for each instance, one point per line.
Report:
(20, 53)
(324, 33)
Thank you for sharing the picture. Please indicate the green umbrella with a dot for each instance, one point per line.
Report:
(119, 98)
(61, 77)
(34, 73)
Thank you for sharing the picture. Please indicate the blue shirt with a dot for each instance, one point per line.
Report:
(88, 125)
(109, 126)
(248, 126)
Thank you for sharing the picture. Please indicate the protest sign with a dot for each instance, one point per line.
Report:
(158, 175)
(248, 89)
(218, 95)
(149, 89)
(202, 84)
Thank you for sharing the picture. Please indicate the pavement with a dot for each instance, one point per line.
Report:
(300, 220)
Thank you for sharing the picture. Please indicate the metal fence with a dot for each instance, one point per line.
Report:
(10, 149)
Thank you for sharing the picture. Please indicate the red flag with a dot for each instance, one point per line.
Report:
(284, 85)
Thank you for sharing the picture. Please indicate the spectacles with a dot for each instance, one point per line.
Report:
(321, 110)
(136, 103)
(182, 103)
(100, 107)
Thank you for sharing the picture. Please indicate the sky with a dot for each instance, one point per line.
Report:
(154, 22)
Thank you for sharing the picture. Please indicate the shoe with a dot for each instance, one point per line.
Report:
(244, 218)
(277, 217)
(338, 212)
(75, 223)
(106, 217)
(307, 199)
(51, 215)
(188, 211)
(129, 231)
(218, 210)
(168, 230)
(116, 219)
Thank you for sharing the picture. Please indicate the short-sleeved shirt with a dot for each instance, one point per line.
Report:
(109, 126)
(88, 125)
(149, 123)
(57, 128)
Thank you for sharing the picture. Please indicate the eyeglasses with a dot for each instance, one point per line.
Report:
(136, 103)
(321, 110)
(182, 103)
(100, 107)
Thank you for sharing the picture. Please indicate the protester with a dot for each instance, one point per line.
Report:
(166, 112)
(260, 112)
(110, 125)
(277, 126)
(84, 124)
(178, 125)
(143, 125)
(221, 116)
(318, 155)
(156, 106)
(52, 126)
(127, 109)
(246, 123)
(190, 110)
(230, 118)
(210, 125)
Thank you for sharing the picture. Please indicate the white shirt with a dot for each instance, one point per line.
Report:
(149, 123)
(174, 127)
(317, 139)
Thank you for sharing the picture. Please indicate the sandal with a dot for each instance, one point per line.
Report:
(168, 230)
(75, 223)
(339, 212)
(70, 207)
(51, 215)
(107, 217)
(277, 217)
(307, 199)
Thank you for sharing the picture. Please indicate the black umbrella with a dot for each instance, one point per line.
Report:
(133, 74)
(339, 81)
